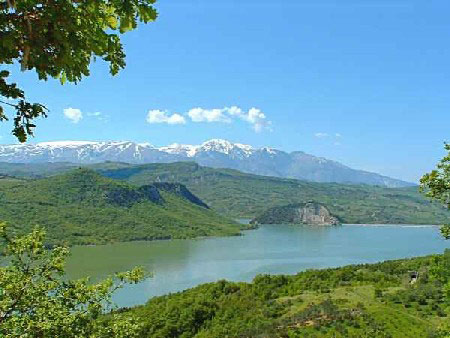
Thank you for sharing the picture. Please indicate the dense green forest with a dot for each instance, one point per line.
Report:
(236, 194)
(239, 195)
(370, 300)
(83, 207)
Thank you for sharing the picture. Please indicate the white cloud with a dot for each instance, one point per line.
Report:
(159, 116)
(208, 115)
(321, 135)
(73, 114)
(254, 116)
(338, 135)
(258, 119)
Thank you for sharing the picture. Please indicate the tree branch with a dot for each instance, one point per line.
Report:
(9, 104)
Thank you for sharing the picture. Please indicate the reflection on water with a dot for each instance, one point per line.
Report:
(275, 249)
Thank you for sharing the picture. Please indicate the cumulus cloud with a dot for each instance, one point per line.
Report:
(208, 115)
(257, 119)
(253, 116)
(159, 116)
(73, 114)
(321, 135)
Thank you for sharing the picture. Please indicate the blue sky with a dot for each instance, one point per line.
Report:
(363, 82)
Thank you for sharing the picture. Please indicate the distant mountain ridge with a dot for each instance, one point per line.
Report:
(214, 153)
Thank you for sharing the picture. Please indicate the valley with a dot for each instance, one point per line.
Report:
(176, 221)
(311, 289)
(224, 169)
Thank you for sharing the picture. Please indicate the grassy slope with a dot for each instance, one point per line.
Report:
(236, 194)
(74, 207)
(339, 302)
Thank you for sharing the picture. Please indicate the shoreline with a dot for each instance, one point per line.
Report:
(256, 227)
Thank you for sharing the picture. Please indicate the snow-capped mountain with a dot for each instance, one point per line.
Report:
(214, 153)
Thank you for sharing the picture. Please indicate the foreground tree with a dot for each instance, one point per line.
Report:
(436, 185)
(59, 39)
(36, 300)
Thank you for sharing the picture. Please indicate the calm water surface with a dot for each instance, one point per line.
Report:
(274, 249)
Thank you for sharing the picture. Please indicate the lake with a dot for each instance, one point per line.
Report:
(273, 249)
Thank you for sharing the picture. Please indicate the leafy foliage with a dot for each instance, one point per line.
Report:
(82, 207)
(26, 112)
(437, 186)
(35, 301)
(340, 302)
(59, 39)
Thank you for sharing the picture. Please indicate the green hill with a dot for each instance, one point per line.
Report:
(371, 300)
(236, 194)
(239, 195)
(83, 207)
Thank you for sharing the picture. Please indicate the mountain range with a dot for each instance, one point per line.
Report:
(215, 153)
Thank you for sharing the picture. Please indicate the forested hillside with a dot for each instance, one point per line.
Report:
(83, 207)
(237, 194)
(402, 298)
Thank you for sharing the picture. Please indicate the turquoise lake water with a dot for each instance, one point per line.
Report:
(275, 249)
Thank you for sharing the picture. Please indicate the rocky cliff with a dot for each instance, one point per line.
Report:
(181, 191)
(303, 213)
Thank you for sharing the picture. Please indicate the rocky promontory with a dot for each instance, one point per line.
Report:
(311, 213)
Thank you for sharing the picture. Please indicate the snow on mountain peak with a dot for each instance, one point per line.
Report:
(226, 147)
(221, 146)
(269, 150)
(146, 145)
(180, 149)
(216, 153)
(58, 144)
(89, 151)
